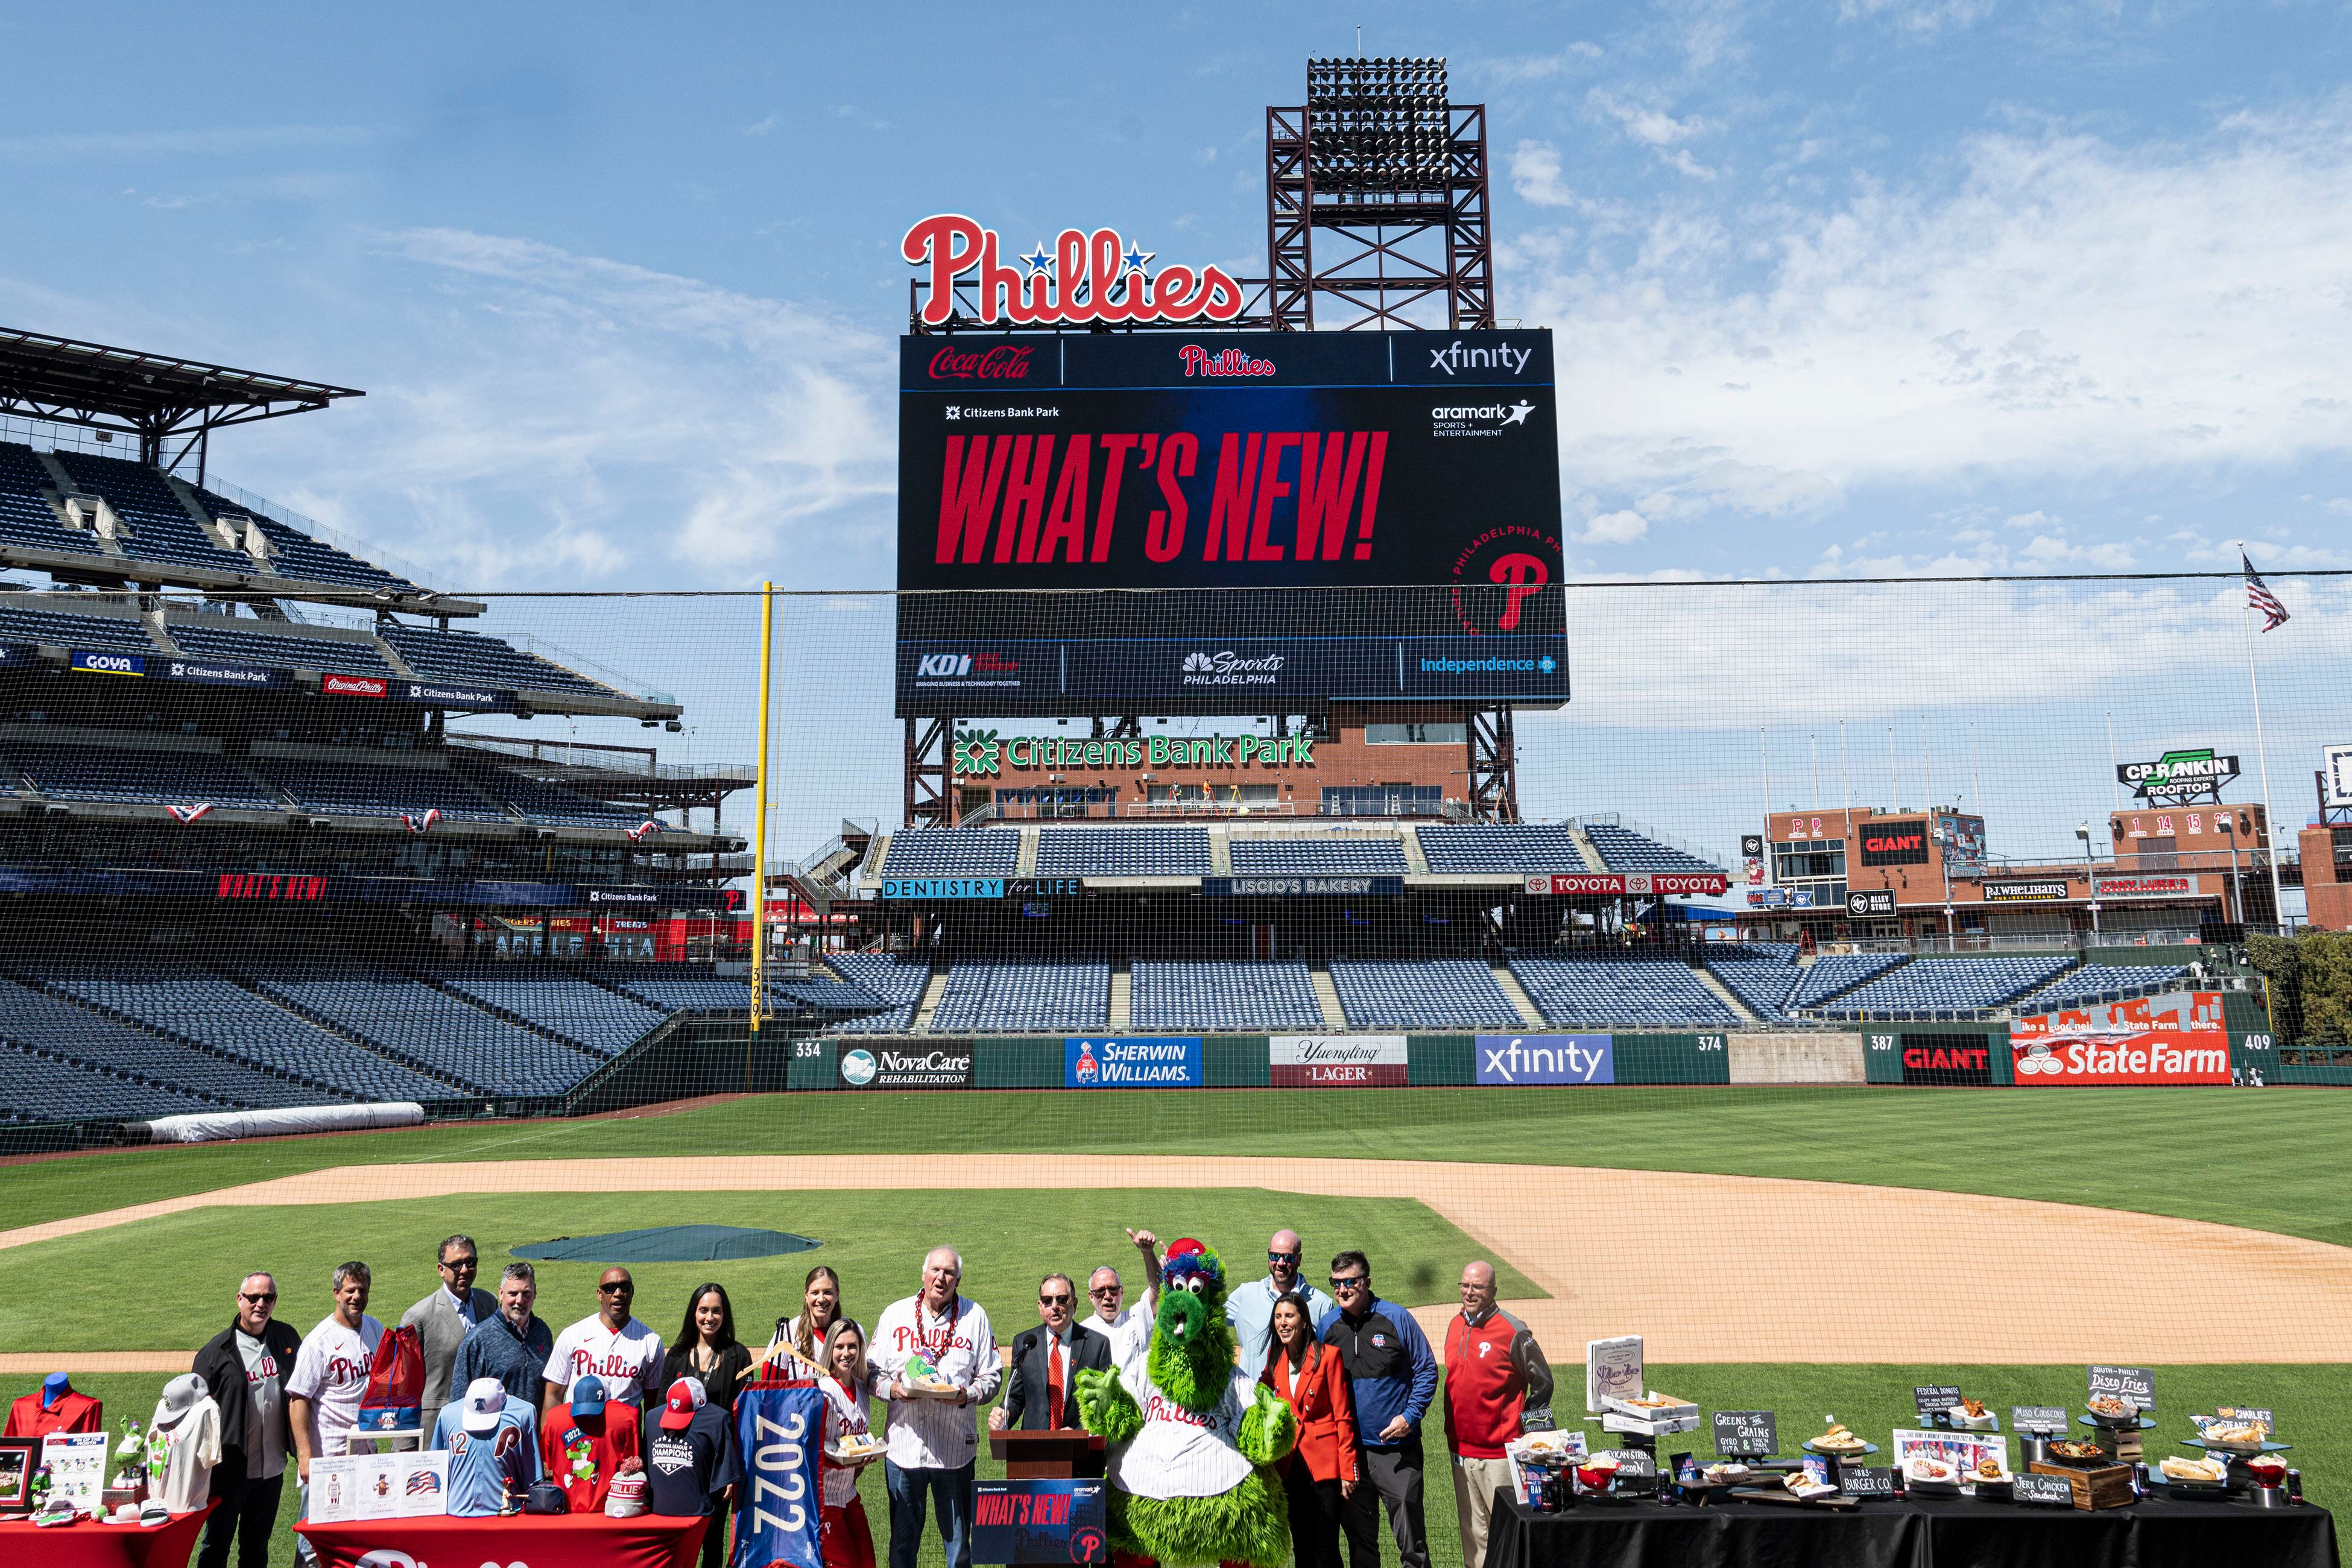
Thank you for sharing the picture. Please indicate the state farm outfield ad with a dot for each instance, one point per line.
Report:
(2173, 1038)
(1336, 1061)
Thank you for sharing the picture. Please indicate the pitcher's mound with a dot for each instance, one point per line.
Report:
(670, 1244)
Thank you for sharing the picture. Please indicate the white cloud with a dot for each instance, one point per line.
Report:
(1918, 18)
(1645, 123)
(2071, 308)
(564, 419)
(1616, 528)
(1535, 174)
(763, 127)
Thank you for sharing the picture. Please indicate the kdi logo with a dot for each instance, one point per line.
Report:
(942, 665)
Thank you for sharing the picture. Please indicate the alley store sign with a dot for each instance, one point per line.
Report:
(2178, 776)
(981, 753)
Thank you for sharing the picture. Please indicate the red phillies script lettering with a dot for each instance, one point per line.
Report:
(271, 885)
(1003, 362)
(1275, 495)
(1088, 280)
(1198, 361)
(1160, 1407)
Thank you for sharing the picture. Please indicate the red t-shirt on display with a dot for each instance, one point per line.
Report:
(568, 1446)
(72, 1413)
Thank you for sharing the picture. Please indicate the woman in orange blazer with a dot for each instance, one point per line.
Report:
(1322, 1472)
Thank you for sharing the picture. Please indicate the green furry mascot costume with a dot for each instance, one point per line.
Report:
(1192, 1434)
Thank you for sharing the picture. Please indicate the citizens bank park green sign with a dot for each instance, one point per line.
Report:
(981, 751)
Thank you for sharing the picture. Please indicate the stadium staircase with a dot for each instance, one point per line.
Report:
(1327, 995)
(1730, 999)
(1530, 1013)
(1122, 996)
(934, 993)
(1586, 847)
(1415, 861)
(1026, 863)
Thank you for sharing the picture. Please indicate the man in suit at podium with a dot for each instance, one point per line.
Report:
(1038, 1398)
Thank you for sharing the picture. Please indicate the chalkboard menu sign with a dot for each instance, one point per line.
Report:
(1858, 1481)
(1746, 1434)
(1632, 1463)
(2137, 1383)
(2050, 1491)
(2042, 1420)
(1933, 1400)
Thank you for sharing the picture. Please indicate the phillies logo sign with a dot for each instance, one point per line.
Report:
(1086, 278)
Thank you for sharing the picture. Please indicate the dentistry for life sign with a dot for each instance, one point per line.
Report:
(1546, 1058)
(2176, 1039)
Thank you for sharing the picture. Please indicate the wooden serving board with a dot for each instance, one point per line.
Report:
(2108, 1486)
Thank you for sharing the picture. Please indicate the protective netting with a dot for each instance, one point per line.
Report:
(1706, 992)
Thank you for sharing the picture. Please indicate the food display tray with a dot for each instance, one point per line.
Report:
(1861, 1453)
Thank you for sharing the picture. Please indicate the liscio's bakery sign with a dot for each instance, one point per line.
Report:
(2178, 776)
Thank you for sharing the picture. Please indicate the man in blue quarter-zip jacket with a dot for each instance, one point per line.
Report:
(1394, 1376)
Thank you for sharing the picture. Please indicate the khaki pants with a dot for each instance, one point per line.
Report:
(1474, 1481)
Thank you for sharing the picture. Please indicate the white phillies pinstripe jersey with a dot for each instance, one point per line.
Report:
(1181, 1453)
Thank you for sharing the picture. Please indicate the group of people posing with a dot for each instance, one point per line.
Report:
(584, 1403)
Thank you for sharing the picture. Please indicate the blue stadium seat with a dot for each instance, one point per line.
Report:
(547, 804)
(2095, 982)
(1499, 847)
(1024, 998)
(1828, 976)
(63, 628)
(440, 1033)
(157, 778)
(1622, 850)
(26, 519)
(587, 1014)
(471, 658)
(1439, 994)
(953, 852)
(1210, 996)
(358, 789)
(1946, 987)
(297, 555)
(1615, 990)
(37, 1086)
(161, 529)
(1762, 975)
(234, 641)
(1313, 855)
(36, 1021)
(896, 983)
(1123, 852)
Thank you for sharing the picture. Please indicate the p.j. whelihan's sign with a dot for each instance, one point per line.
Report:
(2178, 776)
(983, 752)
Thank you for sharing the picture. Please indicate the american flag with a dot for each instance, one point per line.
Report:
(2259, 596)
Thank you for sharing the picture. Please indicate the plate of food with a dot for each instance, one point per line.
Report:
(1840, 1441)
(1971, 1416)
(2081, 1455)
(2235, 1437)
(859, 1449)
(933, 1388)
(1734, 1475)
(2208, 1474)
(2112, 1410)
(1930, 1477)
(1990, 1476)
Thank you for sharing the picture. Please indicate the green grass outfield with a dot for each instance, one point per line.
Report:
(2271, 1159)
(874, 1240)
(1872, 1400)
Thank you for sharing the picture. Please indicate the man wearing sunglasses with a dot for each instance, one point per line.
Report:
(1250, 1308)
(443, 1319)
(1394, 1375)
(1127, 1328)
(244, 1367)
(611, 1346)
(1040, 1396)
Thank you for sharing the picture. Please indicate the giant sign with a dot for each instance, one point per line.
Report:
(2175, 1038)
(1258, 471)
(1894, 842)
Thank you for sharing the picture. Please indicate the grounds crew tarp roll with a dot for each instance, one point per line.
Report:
(210, 1126)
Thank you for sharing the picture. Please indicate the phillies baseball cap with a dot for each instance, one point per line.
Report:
(588, 1395)
(686, 1397)
(486, 1398)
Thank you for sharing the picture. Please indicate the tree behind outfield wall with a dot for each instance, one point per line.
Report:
(2310, 980)
(2278, 961)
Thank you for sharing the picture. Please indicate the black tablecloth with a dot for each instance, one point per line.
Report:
(1959, 1533)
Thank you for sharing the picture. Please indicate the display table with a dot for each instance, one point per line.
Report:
(85, 1545)
(540, 1539)
(1960, 1534)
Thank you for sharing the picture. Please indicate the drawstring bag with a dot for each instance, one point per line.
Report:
(394, 1401)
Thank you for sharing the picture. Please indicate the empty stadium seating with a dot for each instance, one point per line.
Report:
(63, 628)
(1199, 998)
(1760, 973)
(1625, 850)
(474, 659)
(1500, 848)
(2104, 983)
(161, 529)
(677, 988)
(359, 790)
(1123, 852)
(587, 1014)
(220, 638)
(953, 852)
(1300, 854)
(37, 1021)
(896, 982)
(545, 803)
(1828, 976)
(443, 1034)
(26, 519)
(157, 778)
(1614, 990)
(1014, 998)
(197, 1004)
(39, 1085)
(296, 555)
(1946, 987)
(1438, 993)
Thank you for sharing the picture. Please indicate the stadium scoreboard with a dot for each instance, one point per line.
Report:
(1343, 516)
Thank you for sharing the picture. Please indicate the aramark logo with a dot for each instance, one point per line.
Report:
(1229, 668)
(1502, 356)
(1509, 413)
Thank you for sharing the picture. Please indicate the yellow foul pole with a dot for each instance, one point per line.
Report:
(760, 824)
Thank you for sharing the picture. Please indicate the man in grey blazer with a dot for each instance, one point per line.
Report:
(444, 1319)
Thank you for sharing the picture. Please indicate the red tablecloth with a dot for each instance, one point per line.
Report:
(83, 1544)
(534, 1540)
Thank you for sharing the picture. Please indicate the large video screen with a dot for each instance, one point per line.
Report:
(1202, 522)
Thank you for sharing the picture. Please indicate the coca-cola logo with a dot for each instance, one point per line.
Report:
(1005, 362)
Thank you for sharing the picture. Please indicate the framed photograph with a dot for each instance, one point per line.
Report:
(19, 1458)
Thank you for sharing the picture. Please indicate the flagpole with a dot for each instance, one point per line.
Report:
(2261, 754)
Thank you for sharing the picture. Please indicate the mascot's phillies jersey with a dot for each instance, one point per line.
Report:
(484, 1470)
(1180, 1452)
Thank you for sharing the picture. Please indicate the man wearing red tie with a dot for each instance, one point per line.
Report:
(1038, 1398)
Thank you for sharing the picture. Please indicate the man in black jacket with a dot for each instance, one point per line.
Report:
(1039, 1396)
(245, 1367)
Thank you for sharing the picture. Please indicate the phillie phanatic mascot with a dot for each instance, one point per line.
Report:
(1192, 1434)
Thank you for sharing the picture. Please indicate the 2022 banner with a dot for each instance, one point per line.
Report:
(778, 1432)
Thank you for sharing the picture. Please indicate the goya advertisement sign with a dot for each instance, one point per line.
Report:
(2176, 1039)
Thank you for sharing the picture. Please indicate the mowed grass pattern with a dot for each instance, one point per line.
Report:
(1872, 1400)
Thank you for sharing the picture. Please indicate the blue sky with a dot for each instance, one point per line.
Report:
(1841, 287)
